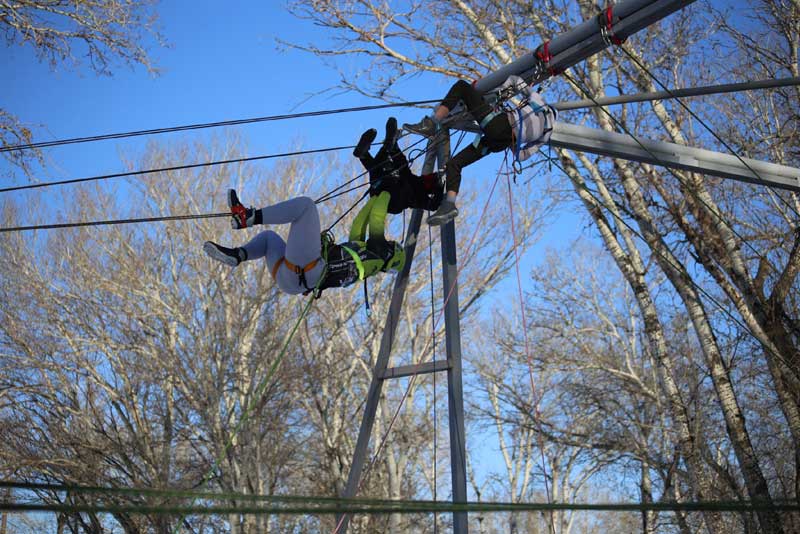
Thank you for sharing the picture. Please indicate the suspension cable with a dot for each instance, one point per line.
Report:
(235, 122)
(674, 265)
(703, 124)
(173, 168)
(257, 395)
(323, 198)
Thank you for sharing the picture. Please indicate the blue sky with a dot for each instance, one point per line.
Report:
(220, 64)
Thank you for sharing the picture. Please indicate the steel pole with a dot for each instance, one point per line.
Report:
(584, 40)
(387, 340)
(623, 146)
(455, 391)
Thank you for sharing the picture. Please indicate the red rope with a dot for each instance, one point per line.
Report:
(537, 414)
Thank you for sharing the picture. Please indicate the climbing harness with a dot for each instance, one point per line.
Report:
(484, 122)
(537, 107)
(533, 104)
(298, 270)
(352, 262)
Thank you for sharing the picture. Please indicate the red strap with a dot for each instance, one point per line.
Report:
(544, 55)
(543, 52)
(610, 26)
(292, 267)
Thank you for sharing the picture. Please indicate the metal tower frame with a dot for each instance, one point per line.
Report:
(593, 35)
(438, 150)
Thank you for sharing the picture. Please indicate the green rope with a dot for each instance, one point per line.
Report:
(333, 505)
(404, 507)
(256, 397)
(207, 495)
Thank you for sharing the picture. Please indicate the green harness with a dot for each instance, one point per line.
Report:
(358, 259)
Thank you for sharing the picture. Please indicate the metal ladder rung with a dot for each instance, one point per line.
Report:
(418, 369)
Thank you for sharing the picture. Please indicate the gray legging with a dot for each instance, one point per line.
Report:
(301, 248)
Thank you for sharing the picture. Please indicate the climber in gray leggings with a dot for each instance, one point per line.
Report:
(295, 264)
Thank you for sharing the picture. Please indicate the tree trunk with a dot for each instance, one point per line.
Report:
(632, 267)
(734, 418)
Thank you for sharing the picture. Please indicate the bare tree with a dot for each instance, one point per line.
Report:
(99, 32)
(135, 361)
(755, 278)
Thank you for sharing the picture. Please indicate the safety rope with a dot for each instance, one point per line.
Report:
(114, 222)
(173, 168)
(348, 506)
(324, 198)
(369, 505)
(537, 419)
(723, 309)
(713, 211)
(628, 132)
(257, 395)
(703, 124)
(433, 359)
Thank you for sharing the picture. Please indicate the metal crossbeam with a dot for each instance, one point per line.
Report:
(675, 156)
(418, 369)
(586, 39)
(563, 51)
(677, 93)
(455, 388)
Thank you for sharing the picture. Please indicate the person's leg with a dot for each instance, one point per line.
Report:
(425, 192)
(447, 210)
(377, 216)
(358, 230)
(460, 91)
(303, 244)
(497, 134)
(266, 244)
(467, 156)
(472, 99)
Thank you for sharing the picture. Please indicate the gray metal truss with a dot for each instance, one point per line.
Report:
(563, 52)
(670, 155)
(595, 141)
(438, 149)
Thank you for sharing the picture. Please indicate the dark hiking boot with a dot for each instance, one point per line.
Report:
(447, 212)
(390, 140)
(228, 256)
(362, 148)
